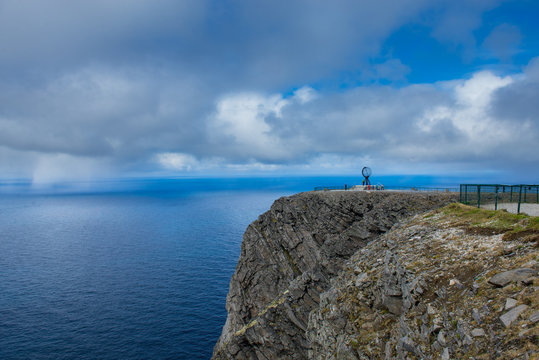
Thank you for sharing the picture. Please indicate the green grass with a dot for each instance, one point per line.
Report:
(496, 221)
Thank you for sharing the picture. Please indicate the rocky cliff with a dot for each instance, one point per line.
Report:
(358, 275)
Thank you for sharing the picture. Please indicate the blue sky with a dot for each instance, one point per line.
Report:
(94, 89)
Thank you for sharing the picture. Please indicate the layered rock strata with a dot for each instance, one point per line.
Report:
(289, 257)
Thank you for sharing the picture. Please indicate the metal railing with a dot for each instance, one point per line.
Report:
(423, 188)
(383, 187)
(499, 195)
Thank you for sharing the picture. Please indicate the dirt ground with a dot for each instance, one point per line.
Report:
(530, 209)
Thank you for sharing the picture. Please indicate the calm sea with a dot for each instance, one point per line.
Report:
(132, 269)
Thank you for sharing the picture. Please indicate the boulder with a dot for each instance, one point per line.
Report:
(509, 317)
(510, 276)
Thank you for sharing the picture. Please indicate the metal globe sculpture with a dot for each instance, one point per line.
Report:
(366, 172)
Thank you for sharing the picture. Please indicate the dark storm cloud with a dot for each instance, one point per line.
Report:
(503, 41)
(517, 102)
(60, 33)
(257, 43)
(517, 108)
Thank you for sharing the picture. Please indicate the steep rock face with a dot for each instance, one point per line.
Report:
(288, 257)
(435, 287)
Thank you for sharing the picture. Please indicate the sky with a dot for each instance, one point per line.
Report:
(157, 88)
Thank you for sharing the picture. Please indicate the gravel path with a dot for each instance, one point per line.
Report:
(530, 209)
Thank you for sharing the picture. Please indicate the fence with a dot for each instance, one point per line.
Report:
(423, 188)
(499, 196)
(380, 187)
(349, 187)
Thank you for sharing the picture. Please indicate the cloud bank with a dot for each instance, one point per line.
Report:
(92, 89)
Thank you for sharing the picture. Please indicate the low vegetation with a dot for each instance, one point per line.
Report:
(490, 222)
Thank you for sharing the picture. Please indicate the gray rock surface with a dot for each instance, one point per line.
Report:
(288, 258)
(337, 275)
(415, 264)
(534, 317)
(507, 277)
(445, 354)
(509, 317)
(510, 303)
(478, 332)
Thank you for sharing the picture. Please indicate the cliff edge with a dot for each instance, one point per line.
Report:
(384, 275)
(290, 254)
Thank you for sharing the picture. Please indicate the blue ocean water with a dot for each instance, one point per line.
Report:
(130, 269)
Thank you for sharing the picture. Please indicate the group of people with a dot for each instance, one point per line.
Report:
(372, 187)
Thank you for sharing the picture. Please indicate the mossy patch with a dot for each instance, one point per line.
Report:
(491, 222)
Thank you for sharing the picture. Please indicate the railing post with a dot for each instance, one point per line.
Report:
(525, 192)
(519, 197)
(460, 194)
(466, 194)
(537, 194)
(496, 199)
(478, 196)
(511, 199)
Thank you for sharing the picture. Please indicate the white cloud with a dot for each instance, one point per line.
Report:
(473, 98)
(469, 113)
(477, 91)
(448, 124)
(177, 161)
(177, 85)
(240, 122)
(305, 94)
